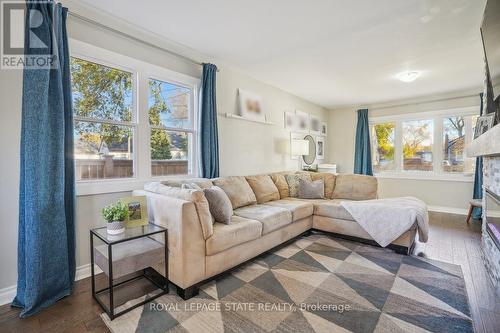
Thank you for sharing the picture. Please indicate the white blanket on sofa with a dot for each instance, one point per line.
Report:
(387, 219)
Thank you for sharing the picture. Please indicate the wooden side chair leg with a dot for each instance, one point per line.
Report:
(469, 214)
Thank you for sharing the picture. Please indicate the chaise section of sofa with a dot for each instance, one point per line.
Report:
(264, 216)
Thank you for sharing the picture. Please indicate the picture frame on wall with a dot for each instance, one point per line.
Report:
(314, 125)
(137, 211)
(324, 129)
(483, 124)
(320, 147)
(290, 121)
(251, 105)
(302, 121)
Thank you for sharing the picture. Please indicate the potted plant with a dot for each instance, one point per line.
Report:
(115, 215)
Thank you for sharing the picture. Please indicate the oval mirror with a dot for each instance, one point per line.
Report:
(311, 157)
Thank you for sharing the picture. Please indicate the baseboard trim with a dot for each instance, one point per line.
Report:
(82, 272)
(449, 210)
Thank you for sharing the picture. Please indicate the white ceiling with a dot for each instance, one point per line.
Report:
(331, 52)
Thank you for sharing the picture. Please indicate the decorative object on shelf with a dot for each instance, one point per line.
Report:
(327, 168)
(320, 148)
(251, 105)
(315, 125)
(115, 215)
(302, 121)
(323, 128)
(290, 120)
(137, 211)
(484, 123)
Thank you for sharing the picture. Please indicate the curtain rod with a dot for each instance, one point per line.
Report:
(423, 102)
(123, 34)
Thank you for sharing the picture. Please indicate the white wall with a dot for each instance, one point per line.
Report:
(245, 147)
(341, 138)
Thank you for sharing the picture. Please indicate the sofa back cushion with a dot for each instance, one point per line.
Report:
(264, 188)
(237, 189)
(201, 182)
(311, 189)
(355, 187)
(293, 182)
(219, 203)
(280, 181)
(195, 196)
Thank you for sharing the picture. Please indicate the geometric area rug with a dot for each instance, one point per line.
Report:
(316, 284)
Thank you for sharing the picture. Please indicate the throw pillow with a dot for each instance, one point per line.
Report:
(219, 204)
(329, 179)
(264, 188)
(293, 182)
(237, 189)
(280, 182)
(311, 189)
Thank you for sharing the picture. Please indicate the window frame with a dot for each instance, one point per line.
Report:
(437, 117)
(141, 73)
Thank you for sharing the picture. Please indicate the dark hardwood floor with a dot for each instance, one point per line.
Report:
(451, 240)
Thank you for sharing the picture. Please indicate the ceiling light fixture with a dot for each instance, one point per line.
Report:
(408, 76)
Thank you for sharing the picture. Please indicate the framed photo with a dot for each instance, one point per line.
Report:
(251, 105)
(323, 128)
(290, 120)
(137, 211)
(320, 148)
(484, 123)
(302, 120)
(315, 125)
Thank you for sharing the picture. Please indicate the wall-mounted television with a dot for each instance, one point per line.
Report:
(490, 31)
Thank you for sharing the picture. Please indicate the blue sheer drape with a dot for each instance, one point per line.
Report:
(478, 177)
(362, 153)
(46, 241)
(209, 141)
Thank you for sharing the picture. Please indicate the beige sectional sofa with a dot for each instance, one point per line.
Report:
(265, 216)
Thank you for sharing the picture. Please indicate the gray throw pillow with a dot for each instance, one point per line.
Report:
(311, 190)
(219, 204)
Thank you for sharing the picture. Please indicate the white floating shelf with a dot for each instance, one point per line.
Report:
(235, 116)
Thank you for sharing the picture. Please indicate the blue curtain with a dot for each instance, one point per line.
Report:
(46, 241)
(362, 153)
(209, 141)
(478, 177)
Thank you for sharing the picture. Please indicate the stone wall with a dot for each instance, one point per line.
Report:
(491, 253)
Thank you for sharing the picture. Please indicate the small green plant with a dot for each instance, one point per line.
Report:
(115, 212)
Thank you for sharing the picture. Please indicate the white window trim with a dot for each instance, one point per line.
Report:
(142, 72)
(437, 117)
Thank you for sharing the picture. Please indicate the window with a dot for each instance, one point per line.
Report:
(383, 146)
(133, 121)
(104, 126)
(426, 144)
(171, 128)
(417, 145)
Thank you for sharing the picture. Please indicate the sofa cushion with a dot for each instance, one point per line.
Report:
(238, 191)
(219, 204)
(196, 196)
(299, 209)
(271, 217)
(355, 187)
(329, 180)
(331, 208)
(225, 236)
(311, 190)
(280, 182)
(293, 182)
(264, 188)
(201, 182)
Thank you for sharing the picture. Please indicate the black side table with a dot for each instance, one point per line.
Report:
(133, 251)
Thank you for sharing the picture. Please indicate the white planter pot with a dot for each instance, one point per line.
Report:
(116, 227)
